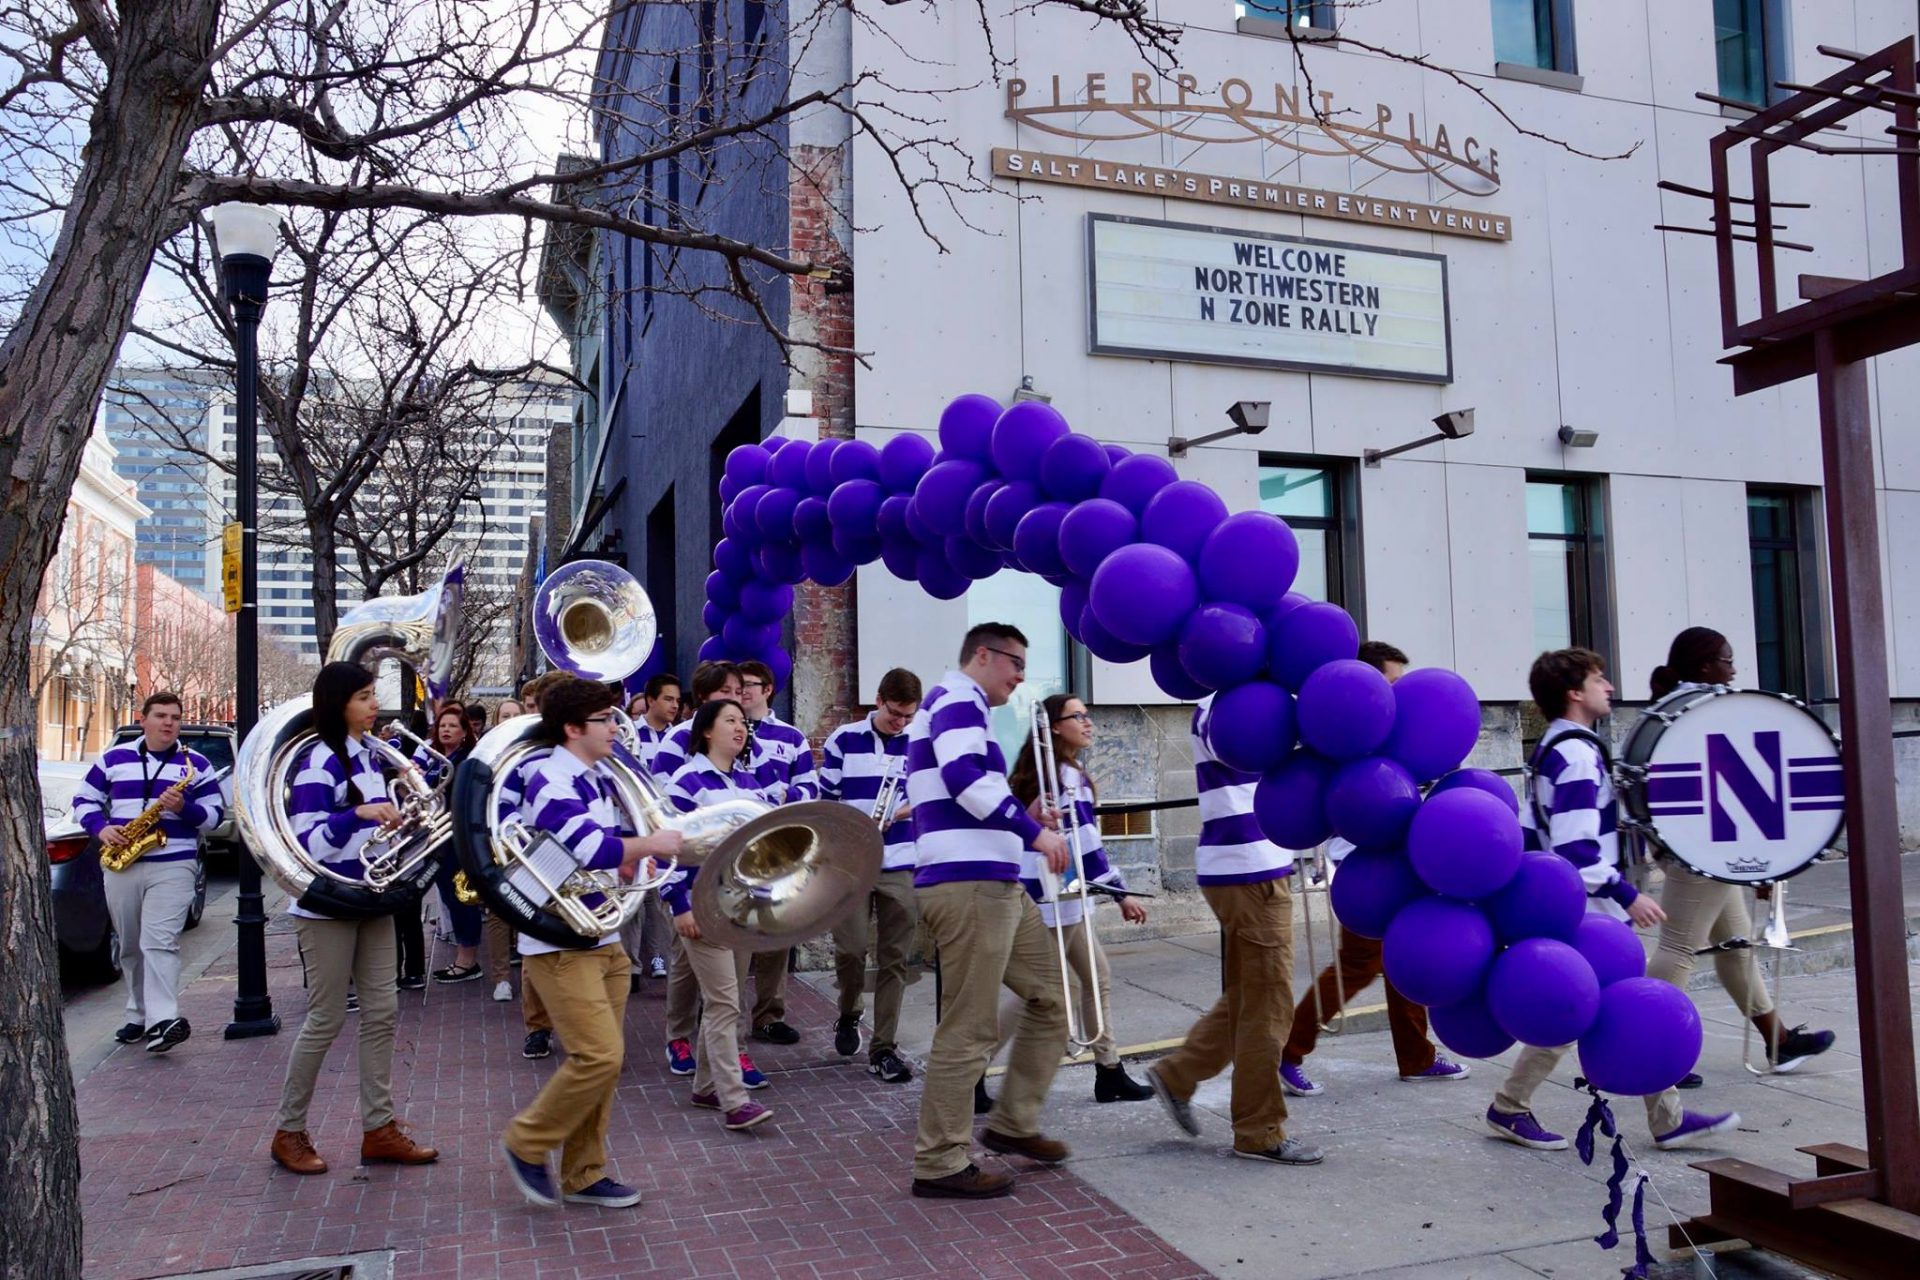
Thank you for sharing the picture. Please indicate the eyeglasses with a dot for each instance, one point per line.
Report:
(754, 684)
(1081, 716)
(605, 717)
(1019, 663)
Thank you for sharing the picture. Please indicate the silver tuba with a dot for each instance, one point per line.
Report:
(400, 859)
(593, 620)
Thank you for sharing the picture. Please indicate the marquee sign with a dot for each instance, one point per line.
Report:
(1171, 291)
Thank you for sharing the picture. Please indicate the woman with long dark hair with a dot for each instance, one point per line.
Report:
(1071, 727)
(453, 738)
(339, 799)
(1702, 912)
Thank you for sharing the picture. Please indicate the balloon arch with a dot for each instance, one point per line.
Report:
(1497, 943)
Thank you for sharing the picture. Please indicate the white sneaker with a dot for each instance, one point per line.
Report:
(503, 991)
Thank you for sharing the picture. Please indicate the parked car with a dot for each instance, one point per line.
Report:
(216, 743)
(89, 947)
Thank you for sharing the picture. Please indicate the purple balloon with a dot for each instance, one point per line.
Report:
(1007, 508)
(1371, 801)
(855, 460)
(1346, 709)
(938, 578)
(813, 521)
(1286, 605)
(780, 562)
(1481, 779)
(1103, 644)
(824, 565)
(976, 516)
(713, 649)
(1117, 453)
(1133, 481)
(1073, 603)
(917, 527)
(1221, 645)
(942, 495)
(1251, 727)
(764, 602)
(820, 466)
(739, 513)
(747, 464)
(742, 636)
(1251, 559)
(1302, 640)
(966, 427)
(857, 548)
(855, 507)
(1437, 951)
(1645, 1037)
(1036, 540)
(1468, 1028)
(1543, 993)
(713, 617)
(1288, 802)
(1464, 844)
(729, 489)
(902, 558)
(773, 516)
(1369, 889)
(1436, 721)
(1073, 468)
(723, 591)
(782, 664)
(903, 460)
(1545, 899)
(1182, 516)
(732, 559)
(971, 560)
(1611, 947)
(890, 522)
(788, 470)
(1021, 436)
(1172, 677)
(1092, 531)
(1141, 593)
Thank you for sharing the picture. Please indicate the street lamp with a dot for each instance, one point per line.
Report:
(247, 236)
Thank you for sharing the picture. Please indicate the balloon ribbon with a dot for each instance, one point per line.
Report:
(1600, 1119)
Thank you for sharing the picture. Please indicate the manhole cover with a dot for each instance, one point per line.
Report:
(366, 1266)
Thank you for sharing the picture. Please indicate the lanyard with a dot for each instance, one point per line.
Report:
(146, 779)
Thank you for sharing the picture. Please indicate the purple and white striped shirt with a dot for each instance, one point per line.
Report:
(321, 809)
(966, 824)
(128, 778)
(650, 743)
(572, 802)
(1232, 848)
(1571, 784)
(1077, 792)
(782, 762)
(700, 782)
(853, 764)
(670, 752)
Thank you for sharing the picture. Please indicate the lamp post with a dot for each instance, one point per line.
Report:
(247, 236)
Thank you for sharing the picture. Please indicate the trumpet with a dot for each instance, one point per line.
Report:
(891, 784)
(1079, 1036)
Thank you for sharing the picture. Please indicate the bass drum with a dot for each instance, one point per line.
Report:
(1738, 785)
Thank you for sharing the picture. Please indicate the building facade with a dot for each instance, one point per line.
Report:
(158, 422)
(1292, 217)
(184, 644)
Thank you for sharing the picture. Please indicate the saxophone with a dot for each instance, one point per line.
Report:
(143, 834)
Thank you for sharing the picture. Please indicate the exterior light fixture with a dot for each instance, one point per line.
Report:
(1576, 438)
(1249, 417)
(1025, 391)
(1454, 424)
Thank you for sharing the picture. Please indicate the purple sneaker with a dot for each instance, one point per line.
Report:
(1294, 1080)
(1443, 1068)
(711, 1101)
(1522, 1128)
(1693, 1126)
(747, 1115)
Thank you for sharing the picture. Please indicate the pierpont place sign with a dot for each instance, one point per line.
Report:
(1173, 291)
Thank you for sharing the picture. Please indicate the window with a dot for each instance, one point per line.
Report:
(1534, 33)
(1315, 498)
(1565, 566)
(663, 584)
(1786, 608)
(1033, 605)
(1127, 826)
(1750, 48)
(1310, 15)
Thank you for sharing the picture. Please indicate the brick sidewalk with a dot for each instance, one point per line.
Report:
(176, 1177)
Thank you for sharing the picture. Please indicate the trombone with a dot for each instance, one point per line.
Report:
(1080, 1038)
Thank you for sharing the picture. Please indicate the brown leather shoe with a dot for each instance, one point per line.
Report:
(293, 1151)
(387, 1145)
(1039, 1147)
(971, 1183)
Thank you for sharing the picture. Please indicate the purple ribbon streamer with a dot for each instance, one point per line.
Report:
(1642, 1255)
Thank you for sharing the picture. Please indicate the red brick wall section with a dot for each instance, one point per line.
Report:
(824, 667)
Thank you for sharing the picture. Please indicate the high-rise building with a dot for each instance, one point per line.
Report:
(157, 421)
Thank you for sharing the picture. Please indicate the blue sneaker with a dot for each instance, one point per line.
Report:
(534, 1181)
(1294, 1080)
(1443, 1068)
(606, 1193)
(1694, 1126)
(1522, 1128)
(680, 1057)
(1798, 1045)
(750, 1075)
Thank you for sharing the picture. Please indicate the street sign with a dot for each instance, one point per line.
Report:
(230, 566)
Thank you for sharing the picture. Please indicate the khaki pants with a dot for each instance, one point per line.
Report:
(497, 937)
(892, 902)
(769, 987)
(1245, 1026)
(722, 975)
(1358, 964)
(1086, 973)
(334, 953)
(586, 994)
(148, 902)
(1701, 912)
(1535, 1065)
(989, 934)
(683, 994)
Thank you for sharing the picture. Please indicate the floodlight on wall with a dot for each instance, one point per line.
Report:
(1454, 424)
(1025, 391)
(1577, 438)
(1249, 417)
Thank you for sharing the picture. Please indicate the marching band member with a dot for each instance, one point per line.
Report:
(1701, 912)
(1072, 729)
(149, 901)
(454, 737)
(712, 681)
(337, 802)
(855, 764)
(1357, 964)
(717, 770)
(477, 721)
(1244, 878)
(648, 936)
(969, 836)
(533, 1013)
(569, 798)
(1573, 793)
(661, 715)
(781, 762)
